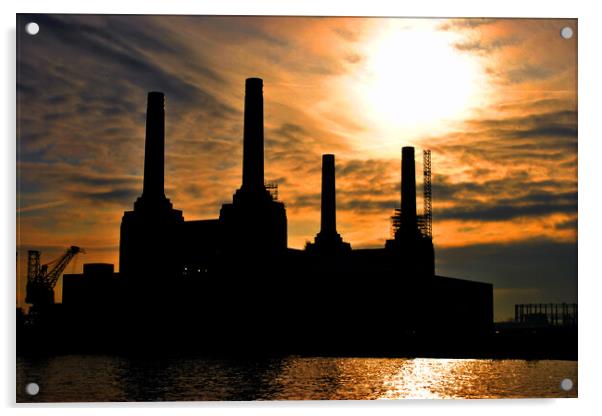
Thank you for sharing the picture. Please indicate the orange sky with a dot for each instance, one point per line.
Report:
(495, 101)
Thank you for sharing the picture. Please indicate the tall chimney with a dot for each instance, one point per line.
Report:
(154, 149)
(328, 222)
(252, 164)
(409, 224)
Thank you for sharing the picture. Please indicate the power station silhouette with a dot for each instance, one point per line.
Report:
(232, 284)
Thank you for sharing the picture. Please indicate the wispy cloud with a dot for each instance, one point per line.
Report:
(482, 47)
(466, 23)
(36, 207)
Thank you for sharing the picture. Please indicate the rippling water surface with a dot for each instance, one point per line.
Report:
(110, 378)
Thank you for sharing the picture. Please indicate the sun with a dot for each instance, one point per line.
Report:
(414, 81)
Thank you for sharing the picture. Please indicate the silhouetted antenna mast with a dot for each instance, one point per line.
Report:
(428, 204)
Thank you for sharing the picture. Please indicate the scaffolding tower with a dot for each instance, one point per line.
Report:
(552, 314)
(424, 221)
(428, 204)
(272, 187)
(395, 222)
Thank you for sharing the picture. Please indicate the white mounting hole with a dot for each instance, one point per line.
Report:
(32, 28)
(32, 389)
(566, 32)
(566, 384)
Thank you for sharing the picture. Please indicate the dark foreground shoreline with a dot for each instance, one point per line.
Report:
(527, 344)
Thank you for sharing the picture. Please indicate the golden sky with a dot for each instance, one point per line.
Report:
(494, 99)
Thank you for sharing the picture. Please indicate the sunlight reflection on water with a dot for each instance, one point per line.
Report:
(461, 378)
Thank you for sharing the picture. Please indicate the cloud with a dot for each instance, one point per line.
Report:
(521, 73)
(63, 176)
(535, 138)
(512, 170)
(42, 206)
(306, 200)
(567, 225)
(119, 196)
(367, 205)
(486, 47)
(298, 146)
(118, 41)
(353, 58)
(471, 23)
(533, 105)
(508, 199)
(347, 34)
(533, 205)
(85, 208)
(516, 269)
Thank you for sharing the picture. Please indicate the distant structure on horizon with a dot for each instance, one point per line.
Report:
(235, 273)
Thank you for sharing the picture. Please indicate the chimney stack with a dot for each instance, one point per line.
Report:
(252, 165)
(328, 217)
(328, 242)
(154, 149)
(409, 225)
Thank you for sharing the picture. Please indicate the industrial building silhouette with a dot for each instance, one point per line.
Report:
(232, 283)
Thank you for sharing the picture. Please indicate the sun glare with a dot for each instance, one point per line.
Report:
(414, 81)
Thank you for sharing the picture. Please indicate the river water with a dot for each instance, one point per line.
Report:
(81, 378)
